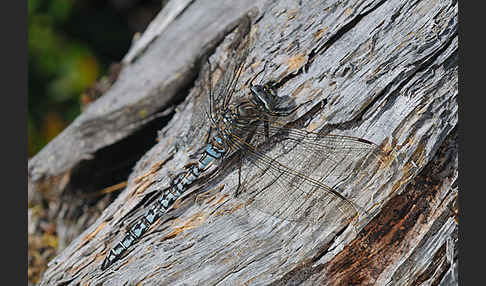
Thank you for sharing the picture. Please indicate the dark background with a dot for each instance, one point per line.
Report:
(71, 45)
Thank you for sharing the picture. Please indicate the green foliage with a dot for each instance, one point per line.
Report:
(60, 69)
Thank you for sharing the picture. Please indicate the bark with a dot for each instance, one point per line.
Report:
(385, 71)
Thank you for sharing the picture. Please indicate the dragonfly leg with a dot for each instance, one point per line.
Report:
(266, 128)
(239, 175)
(196, 154)
(189, 165)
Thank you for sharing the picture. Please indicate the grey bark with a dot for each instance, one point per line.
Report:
(388, 73)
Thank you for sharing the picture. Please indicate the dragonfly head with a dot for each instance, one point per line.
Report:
(263, 97)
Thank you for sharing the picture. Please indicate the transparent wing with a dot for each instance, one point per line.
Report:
(225, 87)
(216, 88)
(335, 148)
(289, 175)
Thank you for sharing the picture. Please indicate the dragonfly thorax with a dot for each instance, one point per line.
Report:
(226, 122)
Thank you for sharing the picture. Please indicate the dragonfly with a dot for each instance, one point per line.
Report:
(254, 129)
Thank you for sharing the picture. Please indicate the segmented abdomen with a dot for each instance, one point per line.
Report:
(178, 186)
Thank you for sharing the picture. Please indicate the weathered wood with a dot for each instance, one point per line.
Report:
(387, 71)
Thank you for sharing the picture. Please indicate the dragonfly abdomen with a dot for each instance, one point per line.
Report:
(178, 186)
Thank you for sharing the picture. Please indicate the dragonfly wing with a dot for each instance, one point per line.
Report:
(217, 87)
(309, 141)
(292, 183)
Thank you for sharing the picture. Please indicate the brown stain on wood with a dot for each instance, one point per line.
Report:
(291, 14)
(416, 159)
(300, 88)
(381, 242)
(209, 195)
(313, 126)
(72, 271)
(140, 189)
(315, 93)
(154, 169)
(402, 181)
(145, 180)
(256, 64)
(150, 275)
(361, 262)
(318, 34)
(88, 237)
(349, 11)
(113, 188)
(220, 201)
(211, 199)
(126, 262)
(230, 209)
(295, 62)
(194, 221)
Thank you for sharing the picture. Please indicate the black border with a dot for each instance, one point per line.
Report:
(14, 140)
(471, 94)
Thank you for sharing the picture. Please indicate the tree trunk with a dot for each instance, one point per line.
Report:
(384, 71)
